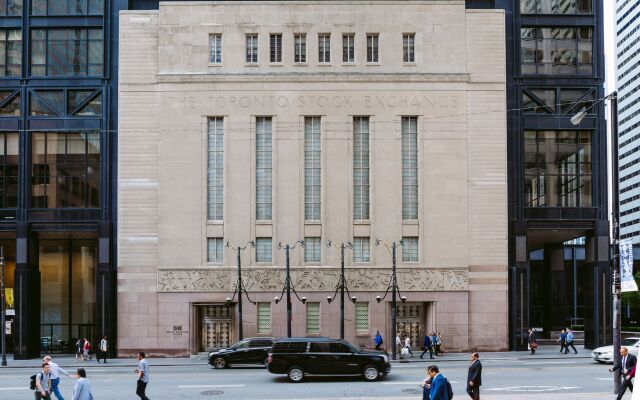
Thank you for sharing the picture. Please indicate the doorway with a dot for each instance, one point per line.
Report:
(410, 321)
(216, 327)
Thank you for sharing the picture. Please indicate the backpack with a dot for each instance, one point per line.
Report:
(449, 389)
(32, 381)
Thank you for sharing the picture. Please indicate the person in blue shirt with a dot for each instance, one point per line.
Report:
(426, 346)
(569, 342)
(563, 340)
(378, 340)
(438, 389)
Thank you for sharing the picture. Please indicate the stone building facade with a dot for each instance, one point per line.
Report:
(275, 122)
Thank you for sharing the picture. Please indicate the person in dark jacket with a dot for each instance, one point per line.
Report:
(626, 365)
(474, 377)
(563, 340)
(426, 346)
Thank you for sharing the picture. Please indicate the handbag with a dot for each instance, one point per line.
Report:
(404, 351)
(533, 345)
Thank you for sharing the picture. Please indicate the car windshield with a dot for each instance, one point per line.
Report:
(629, 342)
(241, 345)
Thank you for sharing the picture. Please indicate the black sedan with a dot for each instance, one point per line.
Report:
(247, 351)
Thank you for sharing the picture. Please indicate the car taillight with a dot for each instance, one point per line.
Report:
(269, 358)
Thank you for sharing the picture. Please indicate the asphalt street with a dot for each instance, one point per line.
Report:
(504, 377)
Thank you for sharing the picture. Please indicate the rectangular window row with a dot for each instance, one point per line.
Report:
(556, 51)
(349, 43)
(53, 7)
(312, 168)
(361, 250)
(313, 318)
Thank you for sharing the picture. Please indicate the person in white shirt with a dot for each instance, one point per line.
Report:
(103, 350)
(407, 345)
(55, 370)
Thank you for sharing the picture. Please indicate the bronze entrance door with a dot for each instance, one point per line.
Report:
(410, 322)
(216, 327)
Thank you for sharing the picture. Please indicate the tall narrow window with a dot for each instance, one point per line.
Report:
(408, 47)
(409, 168)
(264, 318)
(252, 48)
(10, 52)
(348, 48)
(264, 156)
(275, 46)
(362, 318)
(410, 249)
(9, 170)
(263, 250)
(215, 169)
(372, 48)
(361, 167)
(361, 249)
(313, 318)
(215, 48)
(312, 168)
(324, 47)
(300, 48)
(312, 250)
(215, 248)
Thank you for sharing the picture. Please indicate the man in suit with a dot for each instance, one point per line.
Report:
(438, 389)
(627, 362)
(474, 377)
(426, 346)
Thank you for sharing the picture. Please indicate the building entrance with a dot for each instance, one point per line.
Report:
(216, 327)
(410, 321)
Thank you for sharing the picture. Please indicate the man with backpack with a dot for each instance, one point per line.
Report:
(41, 383)
(440, 388)
(377, 340)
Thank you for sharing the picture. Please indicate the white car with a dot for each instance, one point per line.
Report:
(605, 354)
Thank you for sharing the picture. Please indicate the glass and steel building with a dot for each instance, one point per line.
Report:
(559, 273)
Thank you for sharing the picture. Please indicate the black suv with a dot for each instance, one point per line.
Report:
(298, 357)
(247, 351)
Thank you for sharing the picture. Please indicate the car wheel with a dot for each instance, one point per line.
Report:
(219, 363)
(295, 374)
(370, 373)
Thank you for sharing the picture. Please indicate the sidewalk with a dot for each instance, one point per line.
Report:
(68, 361)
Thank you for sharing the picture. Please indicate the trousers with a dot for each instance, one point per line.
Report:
(140, 389)
(54, 388)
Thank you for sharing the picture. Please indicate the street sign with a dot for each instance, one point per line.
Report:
(7, 327)
(10, 311)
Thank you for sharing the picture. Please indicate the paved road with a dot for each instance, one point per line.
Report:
(505, 377)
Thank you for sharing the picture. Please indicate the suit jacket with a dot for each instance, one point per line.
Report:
(475, 374)
(438, 389)
(427, 341)
(631, 362)
(82, 390)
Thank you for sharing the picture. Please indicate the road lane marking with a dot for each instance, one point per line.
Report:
(15, 388)
(208, 386)
(408, 383)
(533, 388)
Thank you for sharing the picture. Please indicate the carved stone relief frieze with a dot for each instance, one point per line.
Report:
(311, 279)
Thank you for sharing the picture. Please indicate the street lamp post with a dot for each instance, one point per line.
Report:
(615, 217)
(239, 287)
(4, 325)
(395, 291)
(288, 286)
(342, 286)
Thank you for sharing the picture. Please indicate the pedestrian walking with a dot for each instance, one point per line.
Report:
(569, 342)
(86, 347)
(82, 387)
(563, 340)
(635, 394)
(532, 344)
(43, 384)
(434, 339)
(407, 345)
(399, 345)
(474, 377)
(54, 376)
(79, 349)
(439, 344)
(439, 388)
(143, 376)
(426, 385)
(626, 365)
(377, 340)
(426, 346)
(103, 350)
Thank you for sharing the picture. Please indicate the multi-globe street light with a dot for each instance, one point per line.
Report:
(239, 286)
(342, 285)
(288, 286)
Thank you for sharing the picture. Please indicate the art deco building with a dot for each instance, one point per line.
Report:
(276, 122)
